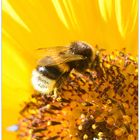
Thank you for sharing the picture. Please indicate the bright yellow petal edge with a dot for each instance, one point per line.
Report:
(27, 25)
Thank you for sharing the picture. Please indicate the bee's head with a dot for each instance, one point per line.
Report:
(82, 48)
(86, 51)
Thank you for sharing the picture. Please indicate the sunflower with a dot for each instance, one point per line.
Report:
(29, 25)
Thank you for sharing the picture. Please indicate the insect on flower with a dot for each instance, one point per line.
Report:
(57, 63)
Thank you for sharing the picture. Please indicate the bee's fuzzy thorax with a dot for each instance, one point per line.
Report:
(97, 104)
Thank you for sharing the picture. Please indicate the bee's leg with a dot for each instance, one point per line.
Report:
(98, 67)
(55, 93)
(95, 63)
(58, 84)
(61, 79)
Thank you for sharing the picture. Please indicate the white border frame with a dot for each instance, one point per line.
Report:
(138, 71)
(1, 70)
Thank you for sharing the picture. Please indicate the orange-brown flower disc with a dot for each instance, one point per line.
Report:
(97, 104)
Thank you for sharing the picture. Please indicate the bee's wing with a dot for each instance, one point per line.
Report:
(50, 51)
(55, 55)
(57, 60)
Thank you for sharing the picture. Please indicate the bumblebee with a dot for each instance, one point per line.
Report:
(57, 63)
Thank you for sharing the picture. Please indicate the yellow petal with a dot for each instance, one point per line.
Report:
(105, 8)
(126, 15)
(9, 9)
(16, 85)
